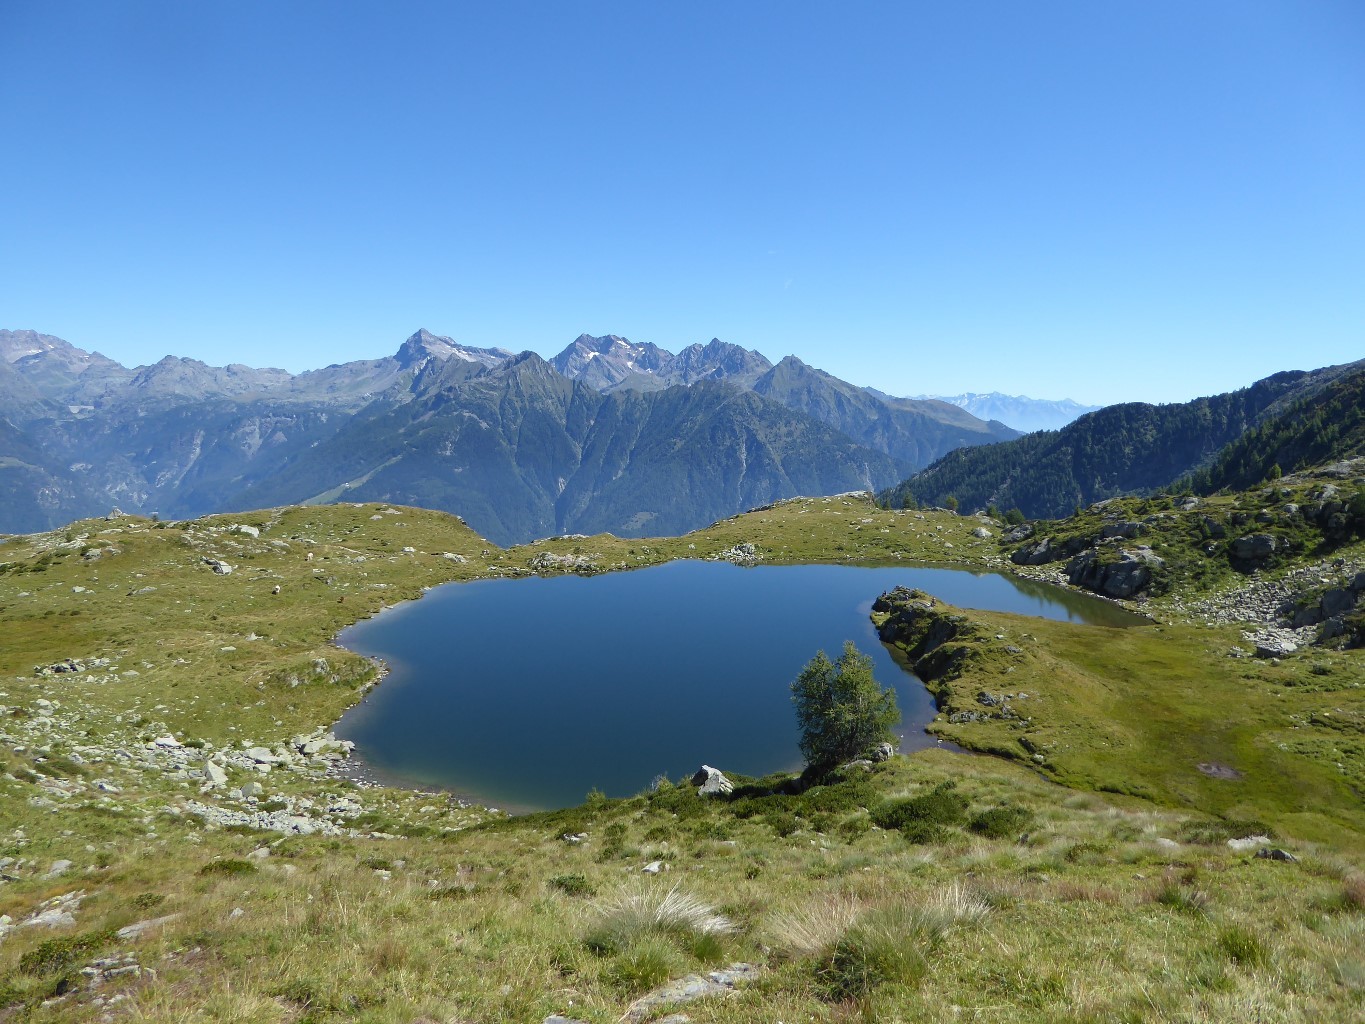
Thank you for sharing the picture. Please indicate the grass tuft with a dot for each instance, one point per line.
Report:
(1242, 947)
(636, 912)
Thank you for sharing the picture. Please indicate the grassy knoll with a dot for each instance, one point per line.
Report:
(1139, 711)
(927, 888)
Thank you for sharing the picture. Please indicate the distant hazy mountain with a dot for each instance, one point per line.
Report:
(1137, 448)
(1020, 412)
(612, 435)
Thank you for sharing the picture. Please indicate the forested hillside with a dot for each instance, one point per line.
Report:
(1133, 448)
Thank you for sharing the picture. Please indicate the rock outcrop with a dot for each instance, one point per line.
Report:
(1125, 576)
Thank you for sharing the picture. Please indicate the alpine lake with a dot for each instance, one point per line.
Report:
(527, 694)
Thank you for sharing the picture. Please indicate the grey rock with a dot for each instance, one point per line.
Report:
(1254, 548)
(710, 781)
(1022, 532)
(1336, 601)
(1274, 853)
(690, 988)
(1212, 527)
(1038, 553)
(214, 774)
(1310, 616)
(988, 699)
(981, 533)
(1129, 575)
(882, 752)
(1127, 530)
(59, 868)
(1331, 629)
(137, 930)
(556, 1018)
(219, 567)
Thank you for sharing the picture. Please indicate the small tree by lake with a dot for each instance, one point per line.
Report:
(841, 709)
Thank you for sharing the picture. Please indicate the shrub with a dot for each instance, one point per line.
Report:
(228, 866)
(1001, 822)
(941, 806)
(58, 954)
(573, 885)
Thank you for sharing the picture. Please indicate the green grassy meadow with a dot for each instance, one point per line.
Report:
(1079, 872)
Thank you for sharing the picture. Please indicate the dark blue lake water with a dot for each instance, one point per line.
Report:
(528, 693)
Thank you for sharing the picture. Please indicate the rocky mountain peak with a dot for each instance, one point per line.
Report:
(424, 345)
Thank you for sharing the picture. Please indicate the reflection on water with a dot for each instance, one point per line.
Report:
(529, 693)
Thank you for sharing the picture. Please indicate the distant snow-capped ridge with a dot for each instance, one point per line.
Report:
(1019, 411)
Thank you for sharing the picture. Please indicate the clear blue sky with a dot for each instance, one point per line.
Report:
(1108, 201)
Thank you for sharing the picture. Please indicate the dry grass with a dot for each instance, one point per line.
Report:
(813, 927)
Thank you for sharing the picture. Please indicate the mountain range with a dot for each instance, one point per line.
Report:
(1019, 411)
(609, 435)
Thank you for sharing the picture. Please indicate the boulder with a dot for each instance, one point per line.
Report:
(215, 774)
(710, 781)
(882, 752)
(136, 930)
(1274, 853)
(1331, 629)
(1126, 530)
(1271, 646)
(1337, 601)
(1256, 547)
(1212, 527)
(1022, 532)
(981, 533)
(1130, 574)
(1309, 616)
(1038, 553)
